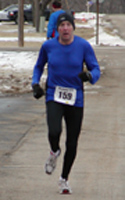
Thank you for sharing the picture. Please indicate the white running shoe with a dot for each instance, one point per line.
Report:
(64, 186)
(51, 162)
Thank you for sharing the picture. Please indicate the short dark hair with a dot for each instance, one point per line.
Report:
(56, 4)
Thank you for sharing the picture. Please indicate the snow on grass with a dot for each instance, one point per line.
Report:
(16, 67)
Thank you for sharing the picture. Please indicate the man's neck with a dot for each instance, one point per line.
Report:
(57, 9)
(66, 42)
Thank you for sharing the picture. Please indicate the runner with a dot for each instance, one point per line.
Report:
(52, 28)
(65, 55)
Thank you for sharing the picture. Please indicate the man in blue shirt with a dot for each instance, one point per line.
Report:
(65, 55)
(52, 25)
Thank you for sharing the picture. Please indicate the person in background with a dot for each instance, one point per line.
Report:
(52, 28)
(65, 55)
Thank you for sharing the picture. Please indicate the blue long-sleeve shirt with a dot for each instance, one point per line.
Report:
(52, 25)
(65, 62)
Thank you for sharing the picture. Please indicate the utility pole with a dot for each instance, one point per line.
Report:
(97, 22)
(97, 18)
(21, 23)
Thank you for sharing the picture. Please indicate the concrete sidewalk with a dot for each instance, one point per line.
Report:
(99, 170)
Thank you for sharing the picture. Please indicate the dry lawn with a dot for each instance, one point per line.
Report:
(9, 29)
(14, 82)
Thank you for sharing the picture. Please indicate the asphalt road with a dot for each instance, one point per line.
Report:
(99, 170)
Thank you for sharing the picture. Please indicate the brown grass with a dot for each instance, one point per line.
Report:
(9, 29)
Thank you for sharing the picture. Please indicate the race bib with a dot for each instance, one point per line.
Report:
(65, 95)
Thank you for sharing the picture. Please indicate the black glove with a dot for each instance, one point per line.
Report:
(85, 76)
(37, 91)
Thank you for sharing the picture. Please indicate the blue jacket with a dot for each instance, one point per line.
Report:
(65, 62)
(52, 25)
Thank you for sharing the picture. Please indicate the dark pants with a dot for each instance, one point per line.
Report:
(73, 119)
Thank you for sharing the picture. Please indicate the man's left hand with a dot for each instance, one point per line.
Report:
(85, 76)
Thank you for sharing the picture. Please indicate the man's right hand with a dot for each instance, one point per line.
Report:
(37, 91)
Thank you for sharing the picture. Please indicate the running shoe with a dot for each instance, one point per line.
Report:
(64, 186)
(51, 162)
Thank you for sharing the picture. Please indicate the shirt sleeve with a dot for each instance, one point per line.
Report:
(51, 25)
(39, 66)
(92, 64)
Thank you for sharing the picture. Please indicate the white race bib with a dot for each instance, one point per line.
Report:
(65, 95)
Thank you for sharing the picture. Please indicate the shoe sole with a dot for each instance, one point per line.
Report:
(49, 172)
(65, 191)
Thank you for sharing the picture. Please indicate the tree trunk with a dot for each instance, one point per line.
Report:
(37, 15)
(43, 6)
(123, 5)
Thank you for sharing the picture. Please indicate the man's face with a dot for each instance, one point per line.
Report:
(65, 30)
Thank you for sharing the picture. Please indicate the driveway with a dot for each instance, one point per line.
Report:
(98, 172)
(118, 21)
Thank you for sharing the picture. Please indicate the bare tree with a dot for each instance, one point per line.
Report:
(37, 14)
(123, 5)
(38, 10)
(33, 11)
(109, 6)
(43, 5)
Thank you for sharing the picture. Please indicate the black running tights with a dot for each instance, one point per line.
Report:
(73, 119)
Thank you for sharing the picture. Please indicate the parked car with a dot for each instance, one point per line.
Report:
(4, 13)
(28, 14)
